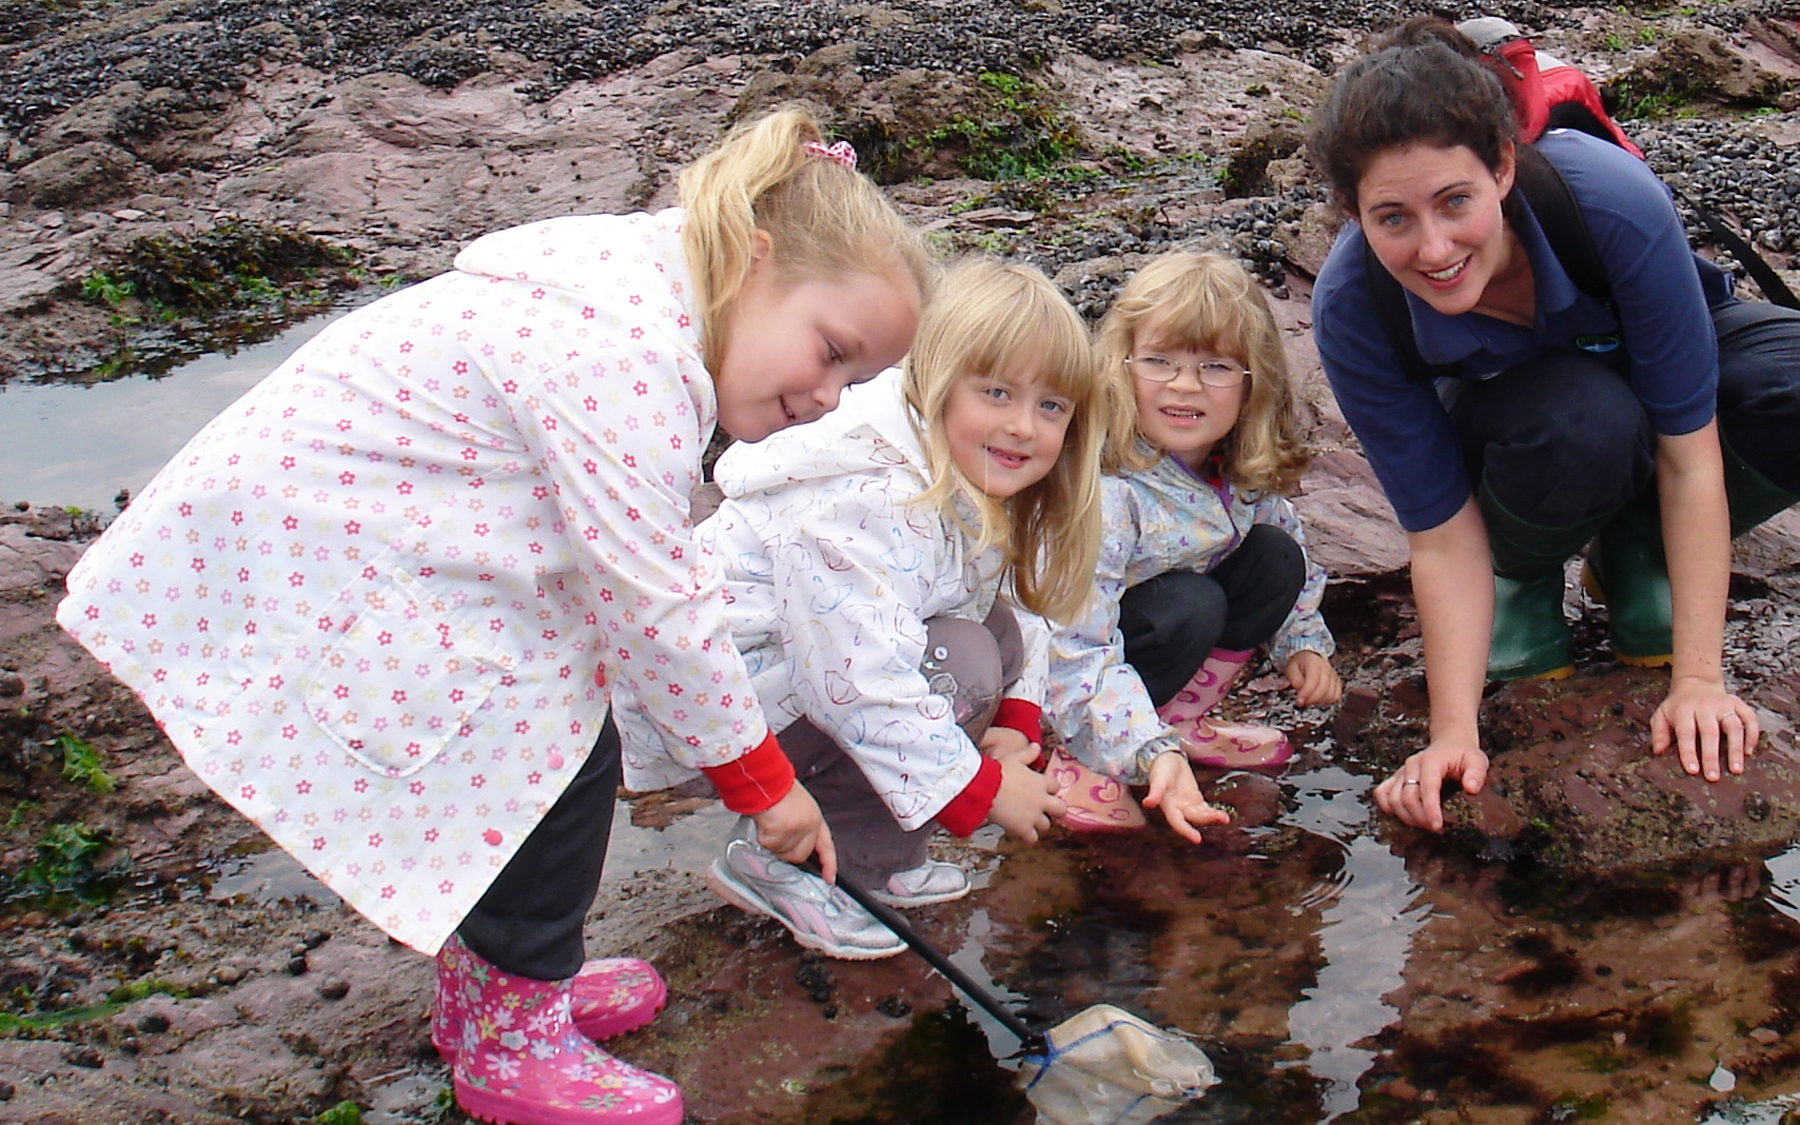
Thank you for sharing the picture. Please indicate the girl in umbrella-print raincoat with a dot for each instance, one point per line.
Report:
(377, 604)
(870, 562)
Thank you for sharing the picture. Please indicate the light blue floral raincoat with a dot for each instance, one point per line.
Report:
(1159, 519)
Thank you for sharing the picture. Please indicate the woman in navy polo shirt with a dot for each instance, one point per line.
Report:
(1513, 415)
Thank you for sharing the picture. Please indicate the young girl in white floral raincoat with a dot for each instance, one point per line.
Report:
(375, 603)
(1202, 559)
(867, 560)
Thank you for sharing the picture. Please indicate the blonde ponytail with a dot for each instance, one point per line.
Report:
(822, 218)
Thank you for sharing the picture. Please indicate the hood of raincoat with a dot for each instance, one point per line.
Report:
(870, 429)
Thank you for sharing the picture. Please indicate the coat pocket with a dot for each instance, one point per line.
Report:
(404, 680)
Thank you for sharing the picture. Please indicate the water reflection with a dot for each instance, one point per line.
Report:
(77, 445)
(1365, 932)
(1333, 977)
(1784, 883)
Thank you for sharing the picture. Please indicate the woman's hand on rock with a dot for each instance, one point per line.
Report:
(1414, 792)
(1707, 725)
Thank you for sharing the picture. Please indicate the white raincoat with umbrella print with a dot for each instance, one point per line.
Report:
(832, 567)
(369, 602)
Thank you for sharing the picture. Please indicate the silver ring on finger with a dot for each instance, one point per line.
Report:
(1410, 781)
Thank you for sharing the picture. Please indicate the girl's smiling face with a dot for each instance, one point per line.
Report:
(1005, 430)
(792, 346)
(1185, 417)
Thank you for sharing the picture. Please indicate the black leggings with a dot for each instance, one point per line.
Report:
(1173, 621)
(529, 921)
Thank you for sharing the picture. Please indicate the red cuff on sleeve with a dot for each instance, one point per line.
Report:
(754, 782)
(1026, 718)
(969, 809)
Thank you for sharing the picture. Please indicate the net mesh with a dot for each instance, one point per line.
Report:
(1105, 1066)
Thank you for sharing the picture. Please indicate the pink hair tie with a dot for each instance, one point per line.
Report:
(839, 153)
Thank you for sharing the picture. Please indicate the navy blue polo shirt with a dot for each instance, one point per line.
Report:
(1661, 290)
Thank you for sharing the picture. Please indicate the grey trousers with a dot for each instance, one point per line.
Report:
(972, 663)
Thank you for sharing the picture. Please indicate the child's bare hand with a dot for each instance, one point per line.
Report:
(1026, 801)
(1316, 682)
(793, 828)
(1005, 742)
(1174, 791)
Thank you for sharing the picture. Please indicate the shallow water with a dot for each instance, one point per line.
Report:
(76, 444)
(1316, 964)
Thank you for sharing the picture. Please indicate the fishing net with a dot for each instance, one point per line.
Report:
(1101, 1066)
(1105, 1066)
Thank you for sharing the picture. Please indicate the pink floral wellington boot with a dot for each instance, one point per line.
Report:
(608, 997)
(1217, 744)
(521, 1061)
(1097, 803)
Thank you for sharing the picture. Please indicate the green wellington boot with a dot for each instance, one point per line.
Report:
(1753, 497)
(1531, 638)
(1627, 572)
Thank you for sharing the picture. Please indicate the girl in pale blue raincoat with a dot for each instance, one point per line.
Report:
(1202, 557)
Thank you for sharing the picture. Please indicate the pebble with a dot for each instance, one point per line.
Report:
(11, 684)
(228, 974)
(334, 989)
(1729, 171)
(82, 1055)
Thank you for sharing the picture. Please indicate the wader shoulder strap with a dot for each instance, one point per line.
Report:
(1774, 289)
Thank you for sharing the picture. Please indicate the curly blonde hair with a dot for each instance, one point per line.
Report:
(1187, 300)
(822, 219)
(989, 318)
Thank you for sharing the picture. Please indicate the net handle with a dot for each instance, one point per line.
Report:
(891, 918)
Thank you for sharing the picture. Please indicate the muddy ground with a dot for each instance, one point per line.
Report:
(158, 964)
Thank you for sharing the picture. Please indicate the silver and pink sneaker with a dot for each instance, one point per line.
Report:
(820, 916)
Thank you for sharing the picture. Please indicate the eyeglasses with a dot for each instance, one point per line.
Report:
(1212, 373)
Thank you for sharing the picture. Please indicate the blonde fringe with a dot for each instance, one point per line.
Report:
(1185, 300)
(990, 318)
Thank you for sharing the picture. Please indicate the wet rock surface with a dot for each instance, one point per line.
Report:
(1595, 934)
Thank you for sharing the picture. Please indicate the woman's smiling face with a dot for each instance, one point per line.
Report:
(1432, 217)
